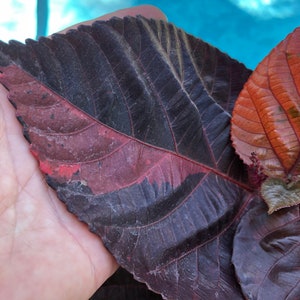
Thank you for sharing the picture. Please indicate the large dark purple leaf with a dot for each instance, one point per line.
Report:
(121, 286)
(130, 120)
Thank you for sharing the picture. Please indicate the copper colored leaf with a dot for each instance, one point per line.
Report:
(130, 121)
(266, 117)
(266, 121)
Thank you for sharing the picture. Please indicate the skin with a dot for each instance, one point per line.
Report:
(45, 252)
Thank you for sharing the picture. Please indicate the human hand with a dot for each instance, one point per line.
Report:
(45, 252)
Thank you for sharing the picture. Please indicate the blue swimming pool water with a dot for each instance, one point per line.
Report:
(245, 29)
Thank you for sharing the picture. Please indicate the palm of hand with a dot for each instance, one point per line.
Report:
(44, 250)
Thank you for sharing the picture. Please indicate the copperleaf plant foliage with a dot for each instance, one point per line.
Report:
(121, 285)
(266, 123)
(130, 122)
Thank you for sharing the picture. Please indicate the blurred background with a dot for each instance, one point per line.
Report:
(245, 29)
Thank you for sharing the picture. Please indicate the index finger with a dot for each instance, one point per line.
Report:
(147, 11)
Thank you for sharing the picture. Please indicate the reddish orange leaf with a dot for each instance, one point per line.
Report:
(266, 117)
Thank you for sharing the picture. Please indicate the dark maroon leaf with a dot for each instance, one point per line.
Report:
(122, 286)
(275, 240)
(130, 121)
